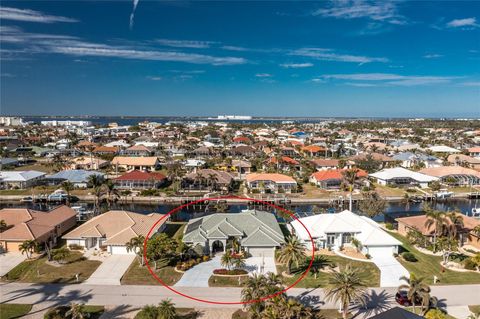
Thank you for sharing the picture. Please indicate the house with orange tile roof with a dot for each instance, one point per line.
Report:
(466, 235)
(454, 175)
(474, 151)
(127, 163)
(106, 150)
(283, 163)
(332, 179)
(464, 160)
(270, 182)
(28, 224)
(137, 150)
(313, 150)
(111, 231)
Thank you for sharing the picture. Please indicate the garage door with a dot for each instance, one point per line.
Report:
(120, 250)
(261, 251)
(380, 251)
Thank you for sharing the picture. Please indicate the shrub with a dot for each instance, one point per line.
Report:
(233, 272)
(389, 226)
(147, 312)
(368, 256)
(206, 258)
(408, 256)
(435, 314)
(75, 247)
(469, 264)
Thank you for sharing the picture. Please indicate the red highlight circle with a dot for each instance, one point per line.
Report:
(175, 210)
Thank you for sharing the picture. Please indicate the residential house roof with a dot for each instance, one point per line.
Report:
(443, 149)
(325, 162)
(335, 174)
(274, 177)
(257, 228)
(75, 175)
(418, 222)
(135, 161)
(443, 171)
(29, 224)
(19, 176)
(117, 226)
(222, 177)
(397, 313)
(400, 172)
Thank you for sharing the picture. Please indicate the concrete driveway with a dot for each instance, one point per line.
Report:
(198, 275)
(111, 270)
(260, 265)
(10, 260)
(390, 270)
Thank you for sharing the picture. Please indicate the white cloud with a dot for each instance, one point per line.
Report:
(185, 43)
(330, 55)
(460, 23)
(154, 78)
(132, 15)
(384, 11)
(296, 65)
(318, 80)
(390, 79)
(46, 43)
(263, 75)
(362, 85)
(234, 48)
(432, 56)
(26, 15)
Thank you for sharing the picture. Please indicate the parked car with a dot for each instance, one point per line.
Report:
(401, 298)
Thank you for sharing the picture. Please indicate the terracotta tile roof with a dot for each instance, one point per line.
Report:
(135, 161)
(31, 224)
(475, 149)
(141, 176)
(139, 147)
(241, 139)
(313, 149)
(418, 222)
(334, 174)
(106, 149)
(118, 227)
(284, 159)
(449, 170)
(274, 177)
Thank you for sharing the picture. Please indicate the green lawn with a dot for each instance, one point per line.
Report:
(37, 271)
(368, 272)
(220, 281)
(428, 266)
(474, 309)
(137, 275)
(324, 314)
(10, 311)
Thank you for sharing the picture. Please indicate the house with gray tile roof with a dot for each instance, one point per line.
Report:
(257, 232)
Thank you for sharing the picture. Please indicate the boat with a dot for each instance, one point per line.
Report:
(82, 213)
(27, 199)
(443, 194)
(475, 212)
(57, 196)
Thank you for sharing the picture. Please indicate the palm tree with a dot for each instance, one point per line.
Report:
(60, 254)
(455, 223)
(212, 180)
(227, 260)
(416, 287)
(238, 262)
(349, 177)
(76, 311)
(319, 262)
(257, 287)
(345, 287)
(136, 245)
(436, 219)
(291, 252)
(28, 247)
(166, 310)
(111, 191)
(149, 312)
(3, 225)
(68, 186)
(476, 230)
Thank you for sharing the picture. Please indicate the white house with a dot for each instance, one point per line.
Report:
(400, 176)
(112, 230)
(336, 230)
(20, 179)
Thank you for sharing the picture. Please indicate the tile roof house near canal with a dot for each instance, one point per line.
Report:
(258, 232)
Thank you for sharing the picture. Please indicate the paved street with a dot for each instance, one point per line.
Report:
(48, 294)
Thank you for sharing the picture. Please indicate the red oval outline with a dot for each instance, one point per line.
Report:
(175, 210)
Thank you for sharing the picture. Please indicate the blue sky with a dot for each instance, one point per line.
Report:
(329, 58)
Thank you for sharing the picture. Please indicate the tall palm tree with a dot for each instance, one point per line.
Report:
(68, 187)
(291, 252)
(416, 287)
(166, 310)
(349, 177)
(76, 311)
(436, 219)
(238, 262)
(212, 180)
(455, 224)
(345, 287)
(28, 247)
(136, 245)
(319, 262)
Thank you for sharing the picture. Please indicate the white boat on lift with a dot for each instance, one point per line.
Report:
(82, 213)
(443, 194)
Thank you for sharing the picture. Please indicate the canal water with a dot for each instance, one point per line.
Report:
(393, 209)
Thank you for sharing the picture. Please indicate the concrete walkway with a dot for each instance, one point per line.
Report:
(10, 260)
(111, 270)
(459, 312)
(198, 275)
